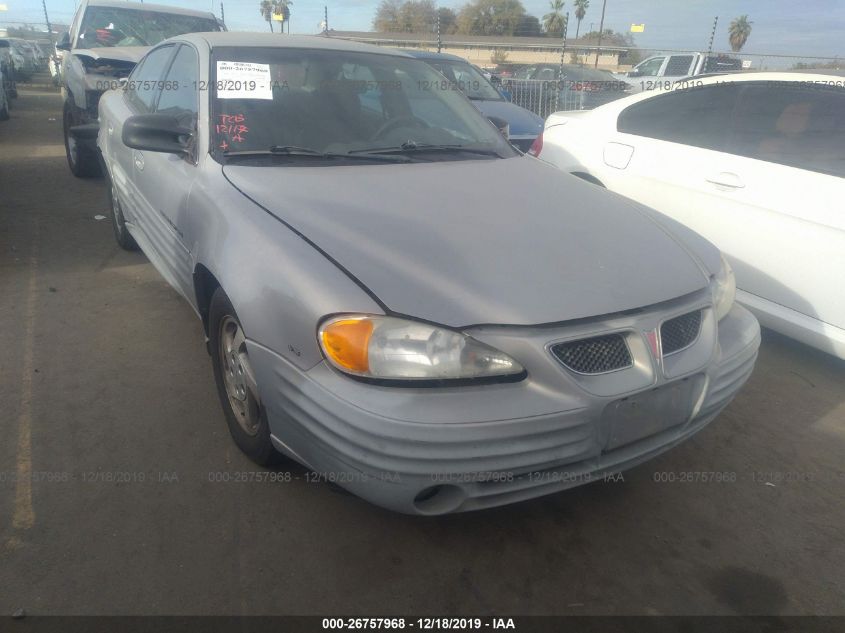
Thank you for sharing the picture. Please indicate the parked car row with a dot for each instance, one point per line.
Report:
(371, 312)
(23, 58)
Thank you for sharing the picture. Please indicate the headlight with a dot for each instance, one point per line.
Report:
(724, 290)
(398, 349)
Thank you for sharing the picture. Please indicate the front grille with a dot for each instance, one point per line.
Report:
(597, 355)
(679, 333)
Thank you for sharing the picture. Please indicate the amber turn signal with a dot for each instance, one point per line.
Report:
(347, 342)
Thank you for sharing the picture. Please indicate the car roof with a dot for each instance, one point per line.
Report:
(143, 6)
(614, 107)
(419, 54)
(270, 40)
(769, 75)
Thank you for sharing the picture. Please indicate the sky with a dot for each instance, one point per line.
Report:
(786, 27)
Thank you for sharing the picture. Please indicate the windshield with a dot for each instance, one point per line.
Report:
(468, 80)
(116, 26)
(342, 102)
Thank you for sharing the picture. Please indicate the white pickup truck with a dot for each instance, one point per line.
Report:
(661, 71)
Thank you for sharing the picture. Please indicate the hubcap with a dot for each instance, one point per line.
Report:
(238, 376)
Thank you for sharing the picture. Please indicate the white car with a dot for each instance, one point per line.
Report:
(753, 162)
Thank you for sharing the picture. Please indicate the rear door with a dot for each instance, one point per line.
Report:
(679, 66)
(756, 168)
(786, 152)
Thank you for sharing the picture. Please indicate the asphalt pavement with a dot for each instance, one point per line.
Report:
(122, 493)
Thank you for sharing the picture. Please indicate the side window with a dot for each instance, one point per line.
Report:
(792, 124)
(650, 67)
(547, 74)
(697, 116)
(179, 95)
(143, 85)
(678, 65)
(74, 27)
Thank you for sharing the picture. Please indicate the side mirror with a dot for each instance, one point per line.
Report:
(634, 73)
(64, 42)
(501, 125)
(156, 133)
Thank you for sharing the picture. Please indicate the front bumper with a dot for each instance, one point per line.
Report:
(434, 451)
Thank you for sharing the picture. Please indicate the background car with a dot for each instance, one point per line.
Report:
(661, 71)
(546, 88)
(7, 67)
(4, 99)
(22, 63)
(755, 162)
(105, 41)
(523, 125)
(376, 315)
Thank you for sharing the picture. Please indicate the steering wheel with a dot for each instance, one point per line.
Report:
(408, 120)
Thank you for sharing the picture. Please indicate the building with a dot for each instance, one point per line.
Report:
(482, 50)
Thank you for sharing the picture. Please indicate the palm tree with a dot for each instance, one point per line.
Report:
(553, 22)
(738, 32)
(581, 7)
(266, 9)
(283, 7)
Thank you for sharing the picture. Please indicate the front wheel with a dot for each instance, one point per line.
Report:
(118, 222)
(82, 161)
(236, 383)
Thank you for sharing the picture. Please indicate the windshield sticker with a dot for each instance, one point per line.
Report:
(230, 128)
(243, 80)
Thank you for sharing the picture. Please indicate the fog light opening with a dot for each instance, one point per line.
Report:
(439, 499)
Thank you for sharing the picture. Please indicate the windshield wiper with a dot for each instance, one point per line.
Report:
(293, 150)
(409, 147)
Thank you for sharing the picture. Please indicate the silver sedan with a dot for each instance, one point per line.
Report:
(393, 295)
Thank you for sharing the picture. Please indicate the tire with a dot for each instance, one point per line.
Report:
(83, 163)
(122, 235)
(245, 416)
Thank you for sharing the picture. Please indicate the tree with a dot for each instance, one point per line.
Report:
(738, 33)
(448, 20)
(282, 7)
(410, 16)
(266, 8)
(581, 7)
(553, 22)
(490, 17)
(498, 56)
(529, 26)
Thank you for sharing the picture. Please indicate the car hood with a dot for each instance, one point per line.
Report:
(119, 53)
(452, 243)
(522, 122)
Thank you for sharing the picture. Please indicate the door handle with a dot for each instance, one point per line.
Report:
(726, 179)
(139, 160)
